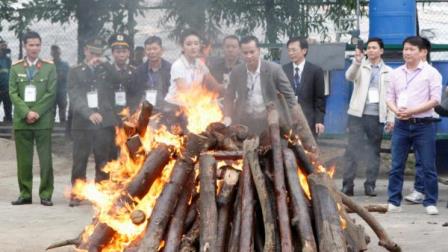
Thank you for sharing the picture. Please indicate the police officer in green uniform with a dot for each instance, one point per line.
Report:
(32, 88)
(122, 73)
(91, 92)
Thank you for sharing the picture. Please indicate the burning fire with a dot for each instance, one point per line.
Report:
(202, 110)
(304, 183)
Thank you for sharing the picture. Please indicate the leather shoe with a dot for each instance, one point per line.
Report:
(347, 190)
(74, 203)
(21, 201)
(46, 202)
(370, 191)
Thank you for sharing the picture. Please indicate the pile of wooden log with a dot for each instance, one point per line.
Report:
(251, 202)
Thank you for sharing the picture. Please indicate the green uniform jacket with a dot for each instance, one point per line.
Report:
(45, 81)
(81, 79)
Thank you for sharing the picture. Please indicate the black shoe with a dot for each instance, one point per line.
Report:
(74, 203)
(370, 191)
(21, 201)
(46, 202)
(347, 190)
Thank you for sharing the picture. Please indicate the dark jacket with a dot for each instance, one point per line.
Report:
(218, 68)
(124, 78)
(62, 69)
(141, 82)
(80, 80)
(311, 93)
(5, 66)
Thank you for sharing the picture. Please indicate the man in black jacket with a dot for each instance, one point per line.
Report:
(152, 78)
(307, 81)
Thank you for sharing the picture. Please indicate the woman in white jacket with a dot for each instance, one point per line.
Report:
(368, 114)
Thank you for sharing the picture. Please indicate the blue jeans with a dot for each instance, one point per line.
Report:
(422, 137)
(419, 183)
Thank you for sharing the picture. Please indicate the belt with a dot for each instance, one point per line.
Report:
(422, 120)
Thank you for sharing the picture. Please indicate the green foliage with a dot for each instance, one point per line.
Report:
(110, 15)
(277, 17)
(6, 11)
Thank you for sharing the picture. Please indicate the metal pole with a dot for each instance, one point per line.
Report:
(357, 15)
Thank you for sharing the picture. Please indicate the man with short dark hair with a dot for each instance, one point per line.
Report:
(308, 83)
(32, 88)
(252, 86)
(415, 89)
(122, 72)
(152, 78)
(221, 67)
(5, 65)
(367, 115)
(62, 71)
(139, 54)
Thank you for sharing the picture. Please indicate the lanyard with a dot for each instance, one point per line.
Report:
(413, 77)
(151, 80)
(252, 82)
(30, 75)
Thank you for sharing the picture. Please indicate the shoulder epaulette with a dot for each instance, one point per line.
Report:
(18, 62)
(47, 61)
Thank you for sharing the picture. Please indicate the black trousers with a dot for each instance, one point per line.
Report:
(61, 103)
(364, 146)
(101, 142)
(7, 106)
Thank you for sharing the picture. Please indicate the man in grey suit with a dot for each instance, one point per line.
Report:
(252, 86)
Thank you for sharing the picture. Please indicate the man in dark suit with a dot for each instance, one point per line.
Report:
(153, 76)
(221, 67)
(252, 86)
(307, 81)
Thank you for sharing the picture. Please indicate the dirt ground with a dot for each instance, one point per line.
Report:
(33, 227)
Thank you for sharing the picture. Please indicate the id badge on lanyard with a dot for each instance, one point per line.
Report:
(30, 93)
(151, 96)
(30, 89)
(92, 99)
(120, 98)
(403, 98)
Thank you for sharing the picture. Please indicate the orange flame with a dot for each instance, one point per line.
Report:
(342, 221)
(202, 109)
(304, 183)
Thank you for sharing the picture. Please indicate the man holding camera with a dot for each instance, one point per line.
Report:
(367, 115)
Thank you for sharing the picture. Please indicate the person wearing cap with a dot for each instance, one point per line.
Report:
(5, 65)
(91, 94)
(32, 88)
(122, 73)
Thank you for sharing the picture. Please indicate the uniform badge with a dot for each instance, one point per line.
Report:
(120, 37)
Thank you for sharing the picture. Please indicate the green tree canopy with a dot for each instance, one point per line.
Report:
(94, 17)
(277, 17)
